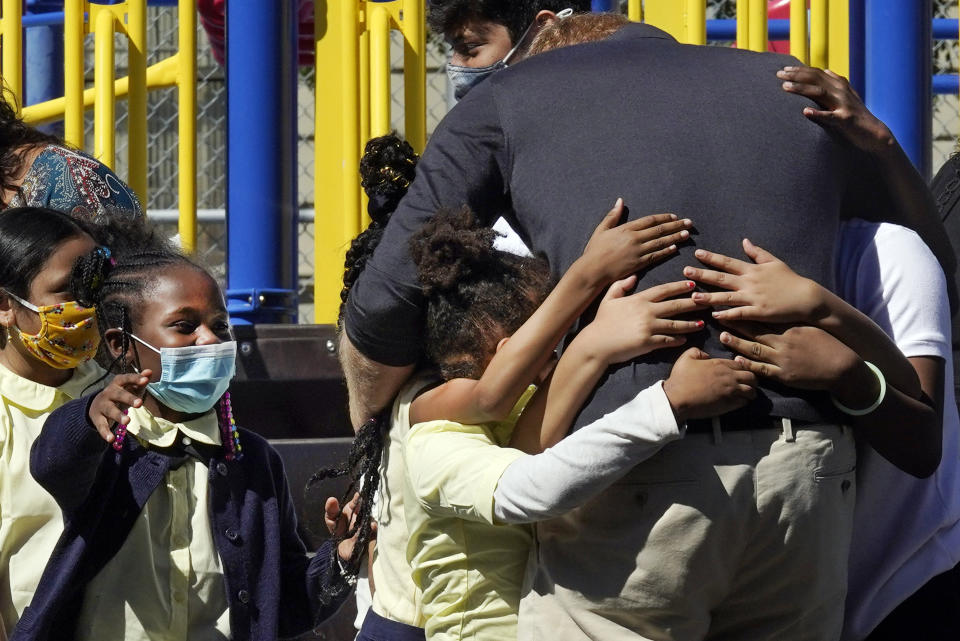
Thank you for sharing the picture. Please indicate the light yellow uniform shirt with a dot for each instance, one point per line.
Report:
(165, 583)
(30, 520)
(395, 596)
(470, 570)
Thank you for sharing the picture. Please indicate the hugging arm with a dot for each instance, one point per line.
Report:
(909, 201)
(464, 164)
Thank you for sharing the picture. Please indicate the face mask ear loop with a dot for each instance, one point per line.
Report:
(566, 13)
(27, 304)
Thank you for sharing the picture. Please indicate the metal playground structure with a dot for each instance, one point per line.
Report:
(883, 46)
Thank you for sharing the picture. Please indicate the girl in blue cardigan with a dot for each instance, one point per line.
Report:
(178, 523)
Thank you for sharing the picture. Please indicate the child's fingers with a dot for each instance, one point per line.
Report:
(753, 349)
(659, 293)
(758, 254)
(765, 370)
(668, 326)
(662, 341)
(722, 262)
(331, 514)
(612, 218)
(102, 425)
(819, 115)
(650, 258)
(620, 288)
(675, 307)
(731, 299)
(651, 244)
(658, 222)
(120, 396)
(668, 232)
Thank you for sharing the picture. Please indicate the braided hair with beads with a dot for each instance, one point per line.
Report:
(116, 281)
(387, 168)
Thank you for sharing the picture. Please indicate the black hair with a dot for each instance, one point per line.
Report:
(363, 468)
(387, 168)
(476, 294)
(444, 16)
(28, 237)
(16, 138)
(117, 282)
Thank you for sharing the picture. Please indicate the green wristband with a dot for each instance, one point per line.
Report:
(883, 393)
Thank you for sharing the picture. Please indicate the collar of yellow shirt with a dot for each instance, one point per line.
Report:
(37, 397)
(158, 432)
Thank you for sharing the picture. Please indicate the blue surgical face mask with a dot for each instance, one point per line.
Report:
(464, 79)
(192, 379)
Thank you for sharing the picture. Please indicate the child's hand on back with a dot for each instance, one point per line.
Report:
(615, 251)
(109, 407)
(629, 326)
(763, 290)
(841, 109)
(701, 387)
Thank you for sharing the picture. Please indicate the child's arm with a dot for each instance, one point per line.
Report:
(625, 327)
(613, 251)
(769, 291)
(911, 203)
(579, 467)
(65, 457)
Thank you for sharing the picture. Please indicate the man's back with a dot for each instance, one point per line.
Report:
(704, 132)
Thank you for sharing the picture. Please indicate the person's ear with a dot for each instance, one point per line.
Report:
(113, 340)
(7, 316)
(502, 342)
(544, 18)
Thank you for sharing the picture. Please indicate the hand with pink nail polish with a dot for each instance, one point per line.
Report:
(765, 289)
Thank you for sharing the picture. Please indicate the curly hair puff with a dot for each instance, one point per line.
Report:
(476, 294)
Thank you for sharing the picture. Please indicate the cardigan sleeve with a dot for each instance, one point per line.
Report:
(65, 457)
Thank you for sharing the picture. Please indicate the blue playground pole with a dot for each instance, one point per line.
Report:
(262, 161)
(604, 5)
(43, 59)
(897, 69)
(857, 44)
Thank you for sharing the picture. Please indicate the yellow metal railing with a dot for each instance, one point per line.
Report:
(826, 44)
(352, 104)
(103, 21)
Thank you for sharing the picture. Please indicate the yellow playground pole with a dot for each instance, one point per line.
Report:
(137, 97)
(757, 31)
(635, 10)
(818, 33)
(187, 124)
(838, 36)
(380, 71)
(350, 114)
(13, 51)
(666, 15)
(73, 22)
(798, 31)
(695, 17)
(104, 122)
(743, 24)
(415, 73)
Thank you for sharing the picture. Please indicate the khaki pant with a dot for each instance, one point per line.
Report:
(735, 535)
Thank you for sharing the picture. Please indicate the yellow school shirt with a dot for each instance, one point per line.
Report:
(30, 520)
(395, 596)
(165, 583)
(469, 569)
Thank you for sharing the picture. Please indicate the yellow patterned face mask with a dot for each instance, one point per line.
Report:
(67, 337)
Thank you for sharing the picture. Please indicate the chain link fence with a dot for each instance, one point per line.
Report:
(211, 130)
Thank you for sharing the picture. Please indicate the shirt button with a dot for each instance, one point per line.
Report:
(232, 535)
(180, 542)
(243, 596)
(179, 597)
(187, 441)
(222, 468)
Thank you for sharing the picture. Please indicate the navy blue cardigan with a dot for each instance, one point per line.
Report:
(272, 584)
